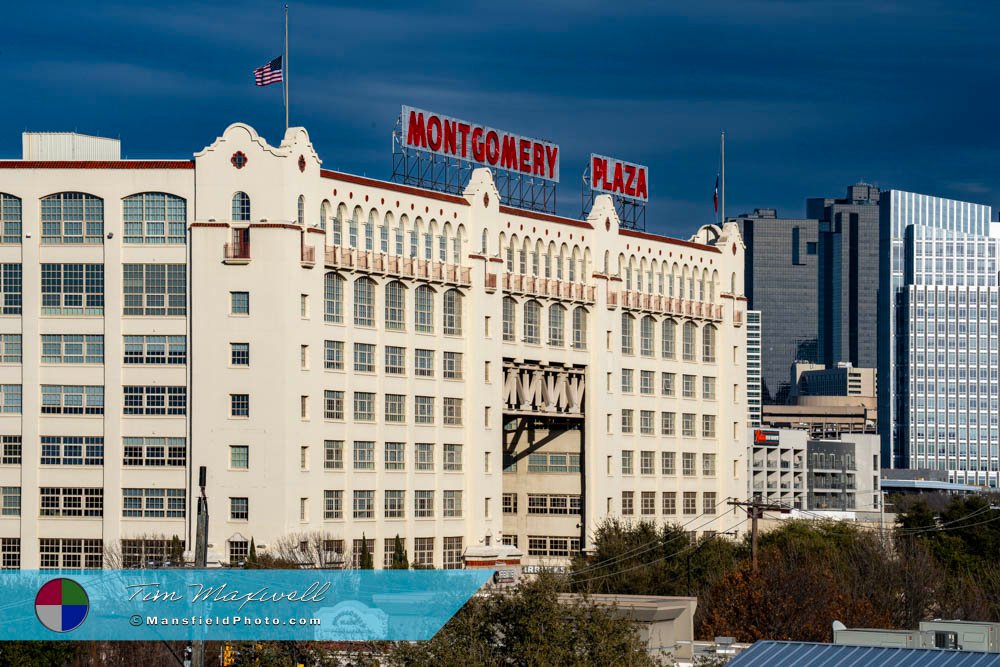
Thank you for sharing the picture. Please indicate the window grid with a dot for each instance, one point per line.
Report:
(71, 501)
(154, 452)
(71, 400)
(155, 350)
(153, 503)
(155, 400)
(72, 218)
(72, 450)
(154, 218)
(10, 219)
(68, 289)
(155, 289)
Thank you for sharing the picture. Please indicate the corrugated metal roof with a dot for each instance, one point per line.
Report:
(802, 654)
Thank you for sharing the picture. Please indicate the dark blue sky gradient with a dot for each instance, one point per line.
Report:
(812, 95)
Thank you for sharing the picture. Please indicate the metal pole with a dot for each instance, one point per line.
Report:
(200, 558)
(284, 67)
(753, 535)
(723, 197)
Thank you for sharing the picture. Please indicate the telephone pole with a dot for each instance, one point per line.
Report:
(200, 558)
(755, 509)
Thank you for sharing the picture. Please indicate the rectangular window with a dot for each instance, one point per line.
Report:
(452, 502)
(72, 349)
(10, 547)
(364, 455)
(690, 502)
(708, 426)
(452, 412)
(646, 379)
(364, 505)
(304, 306)
(548, 503)
(708, 388)
(395, 456)
(333, 454)
(239, 405)
(627, 468)
(423, 363)
(395, 360)
(10, 454)
(149, 400)
(628, 503)
(452, 553)
(423, 504)
(72, 450)
(60, 399)
(153, 503)
(10, 289)
(688, 468)
(424, 456)
(646, 421)
(304, 357)
(239, 457)
(687, 386)
(364, 406)
(647, 503)
(10, 501)
(668, 423)
(239, 303)
(71, 501)
(395, 408)
(423, 552)
(239, 354)
(333, 404)
(154, 452)
(667, 383)
(239, 509)
(670, 503)
(647, 462)
(70, 554)
(509, 503)
(364, 358)
(333, 504)
(452, 365)
(452, 458)
(668, 463)
(10, 349)
(627, 420)
(395, 502)
(708, 465)
(687, 425)
(423, 409)
(627, 386)
(155, 289)
(333, 355)
(71, 289)
(155, 350)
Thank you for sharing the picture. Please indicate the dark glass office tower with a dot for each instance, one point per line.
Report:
(780, 281)
(848, 276)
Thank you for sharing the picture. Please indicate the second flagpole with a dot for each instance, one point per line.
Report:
(284, 67)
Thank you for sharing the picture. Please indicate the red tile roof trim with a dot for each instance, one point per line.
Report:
(94, 164)
(667, 239)
(395, 187)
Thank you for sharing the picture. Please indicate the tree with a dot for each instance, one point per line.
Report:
(529, 625)
(252, 555)
(399, 559)
(366, 560)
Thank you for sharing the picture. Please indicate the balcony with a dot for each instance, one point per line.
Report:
(665, 305)
(236, 253)
(397, 267)
(547, 287)
(491, 282)
(308, 256)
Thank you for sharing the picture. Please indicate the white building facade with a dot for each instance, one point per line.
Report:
(351, 360)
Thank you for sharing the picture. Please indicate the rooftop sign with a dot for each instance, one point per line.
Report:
(480, 144)
(616, 177)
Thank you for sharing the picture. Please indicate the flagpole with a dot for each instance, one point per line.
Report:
(284, 67)
(722, 217)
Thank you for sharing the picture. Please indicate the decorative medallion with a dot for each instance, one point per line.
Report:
(302, 163)
(734, 248)
(486, 199)
(607, 224)
(239, 159)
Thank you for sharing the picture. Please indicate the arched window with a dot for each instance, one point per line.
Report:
(413, 240)
(690, 331)
(370, 232)
(352, 229)
(535, 266)
(395, 306)
(579, 328)
(522, 266)
(338, 227)
(428, 244)
(708, 344)
(485, 242)
(72, 218)
(572, 269)
(399, 237)
(628, 325)
(10, 218)
(364, 302)
(456, 247)
(509, 318)
(241, 207)
(532, 322)
(154, 218)
(646, 335)
(452, 313)
(324, 213)
(557, 325)
(668, 334)
(628, 279)
(548, 265)
(510, 258)
(301, 212)
(383, 235)
(423, 309)
(443, 248)
(333, 297)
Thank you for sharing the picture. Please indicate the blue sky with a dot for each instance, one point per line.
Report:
(812, 95)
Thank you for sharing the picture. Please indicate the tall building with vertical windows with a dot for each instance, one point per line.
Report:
(351, 360)
(780, 279)
(937, 334)
(753, 368)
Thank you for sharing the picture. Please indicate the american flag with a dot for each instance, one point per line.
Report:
(269, 73)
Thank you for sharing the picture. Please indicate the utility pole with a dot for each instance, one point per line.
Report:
(755, 509)
(200, 557)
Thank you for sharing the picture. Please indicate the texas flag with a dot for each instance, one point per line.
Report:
(715, 197)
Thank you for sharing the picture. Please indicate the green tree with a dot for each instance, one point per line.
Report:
(252, 555)
(29, 654)
(399, 559)
(529, 625)
(367, 561)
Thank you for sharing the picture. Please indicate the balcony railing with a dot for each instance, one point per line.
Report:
(308, 255)
(238, 252)
(401, 267)
(547, 287)
(665, 305)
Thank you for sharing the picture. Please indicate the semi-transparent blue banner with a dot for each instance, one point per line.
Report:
(326, 605)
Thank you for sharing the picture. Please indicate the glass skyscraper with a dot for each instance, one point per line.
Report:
(938, 336)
